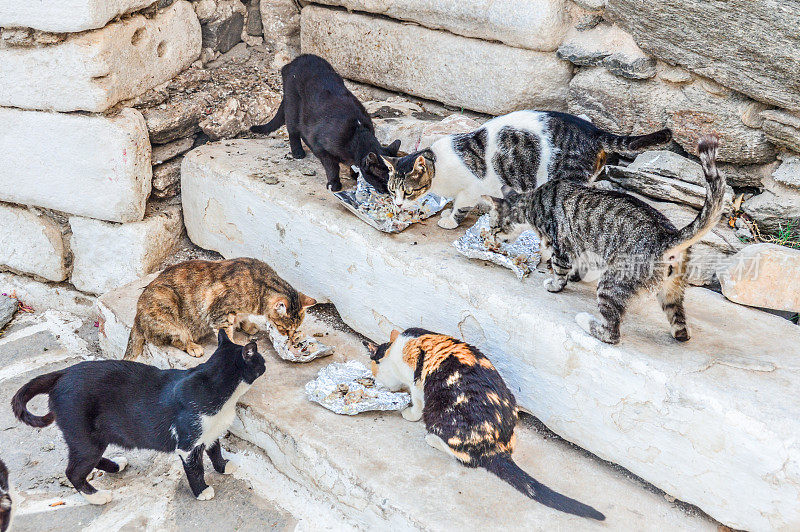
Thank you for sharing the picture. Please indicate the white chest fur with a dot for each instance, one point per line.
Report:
(215, 426)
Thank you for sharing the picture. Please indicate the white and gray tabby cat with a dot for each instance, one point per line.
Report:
(635, 246)
(523, 150)
(6, 502)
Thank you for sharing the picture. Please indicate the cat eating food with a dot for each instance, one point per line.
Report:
(468, 410)
(136, 406)
(635, 246)
(6, 502)
(318, 109)
(523, 150)
(188, 301)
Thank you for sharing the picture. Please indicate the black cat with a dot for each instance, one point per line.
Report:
(319, 109)
(136, 406)
(5, 499)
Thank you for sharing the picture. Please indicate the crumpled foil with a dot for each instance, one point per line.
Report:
(349, 388)
(379, 211)
(520, 256)
(309, 348)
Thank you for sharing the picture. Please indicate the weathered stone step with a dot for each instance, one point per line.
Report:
(65, 15)
(93, 71)
(377, 470)
(94, 166)
(487, 77)
(700, 420)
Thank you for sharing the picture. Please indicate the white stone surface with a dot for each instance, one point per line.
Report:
(416, 134)
(43, 296)
(93, 166)
(108, 255)
(65, 15)
(763, 275)
(94, 70)
(483, 76)
(32, 243)
(534, 24)
(700, 419)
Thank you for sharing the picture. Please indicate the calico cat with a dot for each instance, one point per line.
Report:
(523, 150)
(6, 502)
(635, 245)
(318, 109)
(136, 406)
(187, 301)
(468, 410)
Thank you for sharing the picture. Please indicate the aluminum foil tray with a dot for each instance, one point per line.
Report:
(378, 210)
(309, 348)
(520, 256)
(349, 388)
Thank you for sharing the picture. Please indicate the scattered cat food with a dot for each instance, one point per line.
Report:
(379, 211)
(349, 388)
(302, 351)
(520, 256)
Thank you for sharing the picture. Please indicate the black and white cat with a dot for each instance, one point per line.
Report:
(136, 406)
(523, 150)
(318, 109)
(6, 500)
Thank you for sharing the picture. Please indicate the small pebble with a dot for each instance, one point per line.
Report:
(308, 171)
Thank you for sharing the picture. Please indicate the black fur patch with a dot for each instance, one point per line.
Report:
(517, 158)
(471, 148)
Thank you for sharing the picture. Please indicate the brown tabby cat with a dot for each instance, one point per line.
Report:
(188, 301)
(468, 410)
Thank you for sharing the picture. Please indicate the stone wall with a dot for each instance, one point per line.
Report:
(99, 102)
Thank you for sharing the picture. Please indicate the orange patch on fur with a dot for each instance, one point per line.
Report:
(484, 362)
(436, 349)
(493, 397)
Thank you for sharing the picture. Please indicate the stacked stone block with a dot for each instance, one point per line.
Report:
(77, 163)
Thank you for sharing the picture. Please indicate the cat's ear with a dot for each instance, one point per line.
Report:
(372, 347)
(280, 305)
(394, 335)
(306, 301)
(492, 202)
(420, 167)
(222, 338)
(249, 351)
(392, 148)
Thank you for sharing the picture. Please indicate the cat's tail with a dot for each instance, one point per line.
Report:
(40, 385)
(504, 467)
(628, 143)
(277, 121)
(135, 342)
(715, 197)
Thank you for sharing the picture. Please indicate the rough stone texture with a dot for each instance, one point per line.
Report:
(8, 307)
(482, 76)
(538, 25)
(314, 448)
(416, 134)
(175, 121)
(775, 207)
(65, 15)
(659, 407)
(788, 173)
(745, 45)
(280, 20)
(32, 243)
(167, 178)
(748, 175)
(223, 29)
(782, 128)
(253, 24)
(93, 71)
(165, 152)
(668, 176)
(690, 110)
(110, 255)
(610, 47)
(93, 166)
(40, 295)
(763, 275)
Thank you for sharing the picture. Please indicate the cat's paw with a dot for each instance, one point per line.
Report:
(551, 285)
(585, 320)
(195, 350)
(206, 495)
(447, 222)
(230, 468)
(335, 187)
(299, 154)
(411, 414)
(447, 213)
(121, 462)
(681, 335)
(99, 497)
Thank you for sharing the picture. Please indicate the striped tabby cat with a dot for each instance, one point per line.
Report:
(636, 246)
(6, 502)
(468, 410)
(523, 150)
